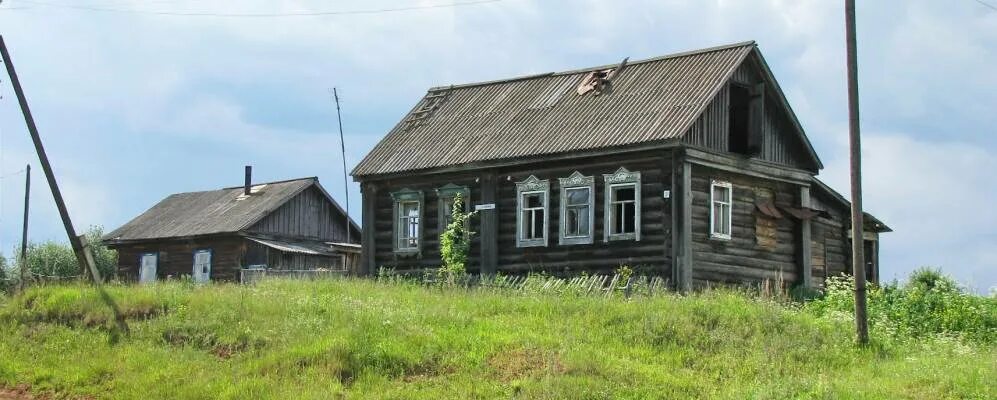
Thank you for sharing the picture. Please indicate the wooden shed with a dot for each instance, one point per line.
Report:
(290, 225)
(691, 166)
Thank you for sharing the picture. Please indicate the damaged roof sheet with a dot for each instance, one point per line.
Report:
(651, 100)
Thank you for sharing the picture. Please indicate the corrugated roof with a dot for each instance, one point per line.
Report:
(208, 212)
(651, 100)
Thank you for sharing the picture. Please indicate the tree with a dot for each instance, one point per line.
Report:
(56, 260)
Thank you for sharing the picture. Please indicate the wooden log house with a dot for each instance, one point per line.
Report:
(291, 225)
(690, 166)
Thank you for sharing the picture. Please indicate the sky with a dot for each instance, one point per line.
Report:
(135, 102)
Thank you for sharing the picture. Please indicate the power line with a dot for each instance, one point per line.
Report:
(987, 5)
(258, 15)
(21, 171)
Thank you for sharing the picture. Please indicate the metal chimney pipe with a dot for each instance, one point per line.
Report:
(249, 180)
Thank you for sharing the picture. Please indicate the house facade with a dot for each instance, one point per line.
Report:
(690, 166)
(284, 226)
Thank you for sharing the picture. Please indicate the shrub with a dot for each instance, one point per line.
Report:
(928, 304)
(455, 243)
(52, 260)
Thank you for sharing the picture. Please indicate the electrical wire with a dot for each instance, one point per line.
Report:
(257, 15)
(987, 5)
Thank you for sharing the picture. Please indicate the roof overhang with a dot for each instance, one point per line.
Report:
(311, 248)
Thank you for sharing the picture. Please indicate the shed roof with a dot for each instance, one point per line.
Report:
(652, 100)
(307, 247)
(212, 212)
(870, 221)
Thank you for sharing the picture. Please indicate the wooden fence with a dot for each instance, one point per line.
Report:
(599, 285)
(250, 276)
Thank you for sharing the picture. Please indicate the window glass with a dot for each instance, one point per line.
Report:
(624, 209)
(533, 216)
(408, 224)
(576, 212)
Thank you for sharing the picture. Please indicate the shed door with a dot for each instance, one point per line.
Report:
(147, 268)
(202, 265)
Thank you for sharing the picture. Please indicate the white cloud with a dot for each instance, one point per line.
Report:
(935, 196)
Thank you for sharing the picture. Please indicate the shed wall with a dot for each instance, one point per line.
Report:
(176, 257)
(308, 214)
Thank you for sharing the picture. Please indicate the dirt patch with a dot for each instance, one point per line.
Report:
(208, 341)
(427, 371)
(520, 363)
(23, 392)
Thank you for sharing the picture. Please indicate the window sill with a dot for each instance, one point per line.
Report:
(575, 241)
(407, 252)
(621, 236)
(531, 243)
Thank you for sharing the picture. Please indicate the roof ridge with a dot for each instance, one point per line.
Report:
(313, 178)
(596, 68)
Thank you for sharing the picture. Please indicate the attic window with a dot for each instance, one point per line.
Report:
(745, 115)
(738, 119)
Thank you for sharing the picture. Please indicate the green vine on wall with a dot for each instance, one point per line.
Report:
(455, 243)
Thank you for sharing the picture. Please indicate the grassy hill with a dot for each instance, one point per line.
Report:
(365, 339)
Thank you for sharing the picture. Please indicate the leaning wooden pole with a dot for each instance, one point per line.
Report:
(346, 182)
(74, 240)
(855, 144)
(23, 264)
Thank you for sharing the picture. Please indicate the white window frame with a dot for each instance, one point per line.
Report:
(575, 182)
(155, 270)
(202, 276)
(400, 199)
(725, 206)
(621, 178)
(532, 185)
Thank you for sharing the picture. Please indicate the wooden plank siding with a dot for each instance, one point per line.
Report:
(309, 215)
(647, 255)
(779, 143)
(830, 240)
(650, 253)
(176, 257)
(746, 257)
(383, 224)
(257, 254)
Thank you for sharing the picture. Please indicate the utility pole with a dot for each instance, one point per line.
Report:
(23, 265)
(342, 147)
(74, 240)
(855, 145)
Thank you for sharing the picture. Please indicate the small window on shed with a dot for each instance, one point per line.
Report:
(408, 220)
(532, 197)
(622, 215)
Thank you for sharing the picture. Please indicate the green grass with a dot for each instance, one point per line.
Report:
(364, 339)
